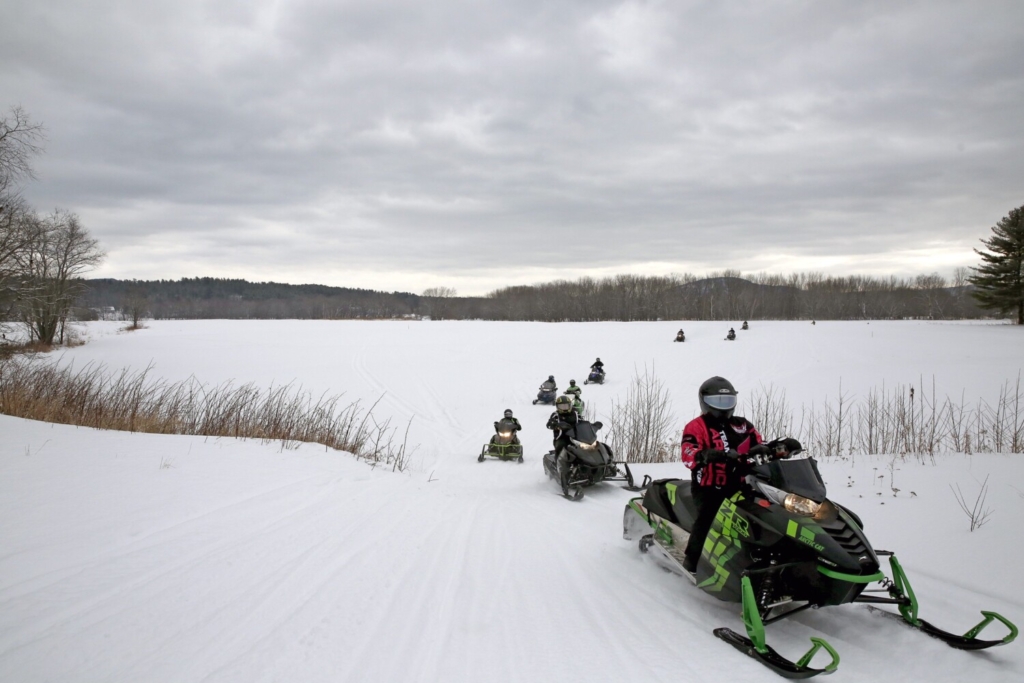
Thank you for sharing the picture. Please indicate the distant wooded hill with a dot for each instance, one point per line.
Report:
(627, 297)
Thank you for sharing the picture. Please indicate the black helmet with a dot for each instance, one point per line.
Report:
(551, 378)
(598, 360)
(572, 383)
(717, 396)
(563, 404)
(508, 412)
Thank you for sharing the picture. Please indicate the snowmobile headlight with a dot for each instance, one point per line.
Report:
(799, 505)
(505, 435)
(585, 446)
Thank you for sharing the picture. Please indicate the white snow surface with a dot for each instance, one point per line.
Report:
(136, 557)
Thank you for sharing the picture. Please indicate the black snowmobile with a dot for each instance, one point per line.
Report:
(546, 394)
(590, 462)
(504, 445)
(596, 377)
(779, 547)
(680, 337)
(732, 335)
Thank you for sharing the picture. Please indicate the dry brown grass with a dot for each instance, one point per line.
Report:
(901, 420)
(130, 401)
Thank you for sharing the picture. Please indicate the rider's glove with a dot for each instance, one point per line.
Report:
(760, 449)
(710, 455)
(785, 447)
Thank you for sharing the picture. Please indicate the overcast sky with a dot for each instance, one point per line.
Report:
(405, 144)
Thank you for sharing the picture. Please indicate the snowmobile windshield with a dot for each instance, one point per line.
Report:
(585, 432)
(797, 476)
(721, 401)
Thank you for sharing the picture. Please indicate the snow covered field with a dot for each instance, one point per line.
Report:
(132, 557)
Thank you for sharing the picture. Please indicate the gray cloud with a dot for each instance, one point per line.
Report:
(403, 145)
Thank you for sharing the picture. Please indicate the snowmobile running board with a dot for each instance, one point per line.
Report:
(756, 646)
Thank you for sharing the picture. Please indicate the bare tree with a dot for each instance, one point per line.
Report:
(18, 144)
(135, 305)
(439, 305)
(15, 237)
(19, 139)
(642, 427)
(59, 253)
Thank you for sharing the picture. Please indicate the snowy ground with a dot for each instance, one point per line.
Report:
(131, 557)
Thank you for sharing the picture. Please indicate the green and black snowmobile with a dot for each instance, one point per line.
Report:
(778, 547)
(504, 445)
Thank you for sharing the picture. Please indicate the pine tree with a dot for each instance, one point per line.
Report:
(999, 280)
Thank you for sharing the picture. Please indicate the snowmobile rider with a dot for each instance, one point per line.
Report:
(744, 326)
(573, 390)
(713, 445)
(549, 384)
(680, 336)
(508, 423)
(731, 335)
(597, 366)
(561, 422)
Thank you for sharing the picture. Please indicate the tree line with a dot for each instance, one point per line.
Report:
(720, 296)
(42, 256)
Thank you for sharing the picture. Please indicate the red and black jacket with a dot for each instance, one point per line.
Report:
(709, 433)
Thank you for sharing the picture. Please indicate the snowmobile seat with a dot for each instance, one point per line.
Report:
(671, 499)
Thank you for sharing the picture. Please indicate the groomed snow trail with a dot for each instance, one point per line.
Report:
(130, 557)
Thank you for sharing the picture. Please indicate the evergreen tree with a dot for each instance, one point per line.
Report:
(999, 280)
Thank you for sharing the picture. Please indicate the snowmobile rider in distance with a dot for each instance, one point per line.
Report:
(744, 326)
(714, 444)
(573, 390)
(549, 384)
(732, 334)
(597, 366)
(680, 336)
(561, 422)
(508, 423)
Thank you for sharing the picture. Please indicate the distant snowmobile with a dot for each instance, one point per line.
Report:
(547, 392)
(595, 377)
(779, 547)
(744, 326)
(504, 445)
(732, 335)
(680, 337)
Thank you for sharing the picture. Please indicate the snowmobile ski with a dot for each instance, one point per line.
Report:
(968, 641)
(906, 602)
(776, 662)
(757, 647)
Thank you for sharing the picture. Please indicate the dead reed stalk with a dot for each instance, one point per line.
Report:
(129, 401)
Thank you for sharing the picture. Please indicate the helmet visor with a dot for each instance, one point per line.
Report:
(508, 413)
(721, 401)
(564, 407)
